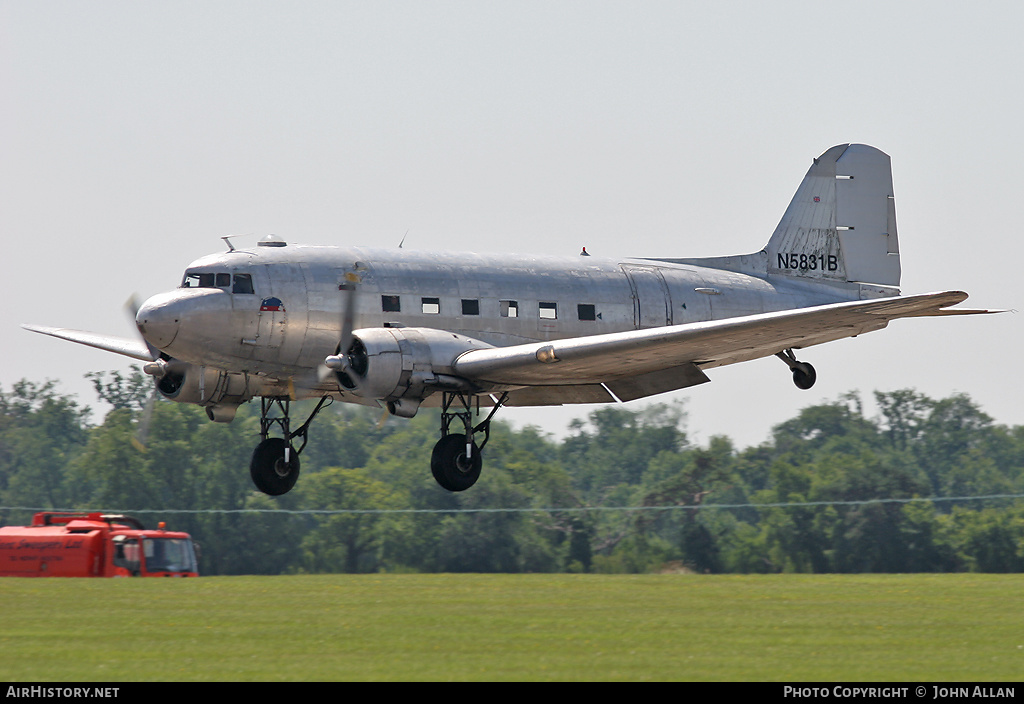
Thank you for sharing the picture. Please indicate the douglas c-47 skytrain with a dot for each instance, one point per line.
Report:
(471, 333)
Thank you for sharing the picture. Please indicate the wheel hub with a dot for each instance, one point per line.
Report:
(463, 464)
(281, 468)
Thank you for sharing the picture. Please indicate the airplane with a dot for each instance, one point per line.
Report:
(472, 333)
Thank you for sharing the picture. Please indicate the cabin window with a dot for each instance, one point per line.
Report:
(470, 306)
(223, 280)
(391, 304)
(509, 309)
(431, 306)
(548, 311)
(586, 311)
(243, 284)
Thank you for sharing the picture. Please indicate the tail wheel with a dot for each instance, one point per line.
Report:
(450, 466)
(804, 376)
(269, 471)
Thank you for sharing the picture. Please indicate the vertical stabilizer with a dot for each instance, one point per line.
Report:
(841, 224)
(840, 227)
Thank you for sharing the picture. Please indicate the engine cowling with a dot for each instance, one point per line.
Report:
(218, 391)
(402, 366)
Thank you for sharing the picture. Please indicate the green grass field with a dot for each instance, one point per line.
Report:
(788, 628)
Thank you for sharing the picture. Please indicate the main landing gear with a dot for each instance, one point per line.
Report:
(456, 461)
(804, 375)
(275, 461)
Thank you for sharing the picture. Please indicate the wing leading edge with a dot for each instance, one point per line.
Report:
(641, 363)
(119, 345)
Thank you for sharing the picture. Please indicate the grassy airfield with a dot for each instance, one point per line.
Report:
(788, 628)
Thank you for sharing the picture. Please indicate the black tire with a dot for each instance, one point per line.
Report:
(449, 465)
(805, 377)
(268, 470)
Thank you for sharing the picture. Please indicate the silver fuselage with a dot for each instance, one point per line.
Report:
(292, 318)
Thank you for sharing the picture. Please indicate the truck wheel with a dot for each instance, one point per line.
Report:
(268, 469)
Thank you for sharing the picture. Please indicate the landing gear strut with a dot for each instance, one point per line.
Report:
(275, 461)
(456, 461)
(804, 375)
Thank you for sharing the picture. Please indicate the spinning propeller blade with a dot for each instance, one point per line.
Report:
(142, 431)
(341, 361)
(132, 308)
(157, 369)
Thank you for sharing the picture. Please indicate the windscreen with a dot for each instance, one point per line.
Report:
(237, 283)
(169, 555)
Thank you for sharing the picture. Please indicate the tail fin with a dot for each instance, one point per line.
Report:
(841, 224)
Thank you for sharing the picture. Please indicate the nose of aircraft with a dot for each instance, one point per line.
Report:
(158, 319)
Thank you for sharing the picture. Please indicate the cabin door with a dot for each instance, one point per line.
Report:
(652, 303)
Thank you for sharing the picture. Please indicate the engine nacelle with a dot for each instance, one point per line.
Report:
(219, 391)
(404, 365)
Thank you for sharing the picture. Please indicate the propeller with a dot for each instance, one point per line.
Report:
(142, 430)
(158, 368)
(339, 363)
(132, 308)
(351, 354)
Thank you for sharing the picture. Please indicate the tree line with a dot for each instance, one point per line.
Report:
(922, 485)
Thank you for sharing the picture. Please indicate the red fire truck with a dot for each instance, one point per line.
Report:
(94, 545)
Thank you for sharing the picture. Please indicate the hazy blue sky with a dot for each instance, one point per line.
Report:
(133, 135)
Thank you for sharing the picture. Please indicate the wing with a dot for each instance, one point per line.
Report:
(641, 363)
(120, 345)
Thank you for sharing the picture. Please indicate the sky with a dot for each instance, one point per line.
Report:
(134, 135)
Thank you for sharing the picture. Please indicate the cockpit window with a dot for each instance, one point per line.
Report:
(196, 280)
(239, 283)
(243, 284)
